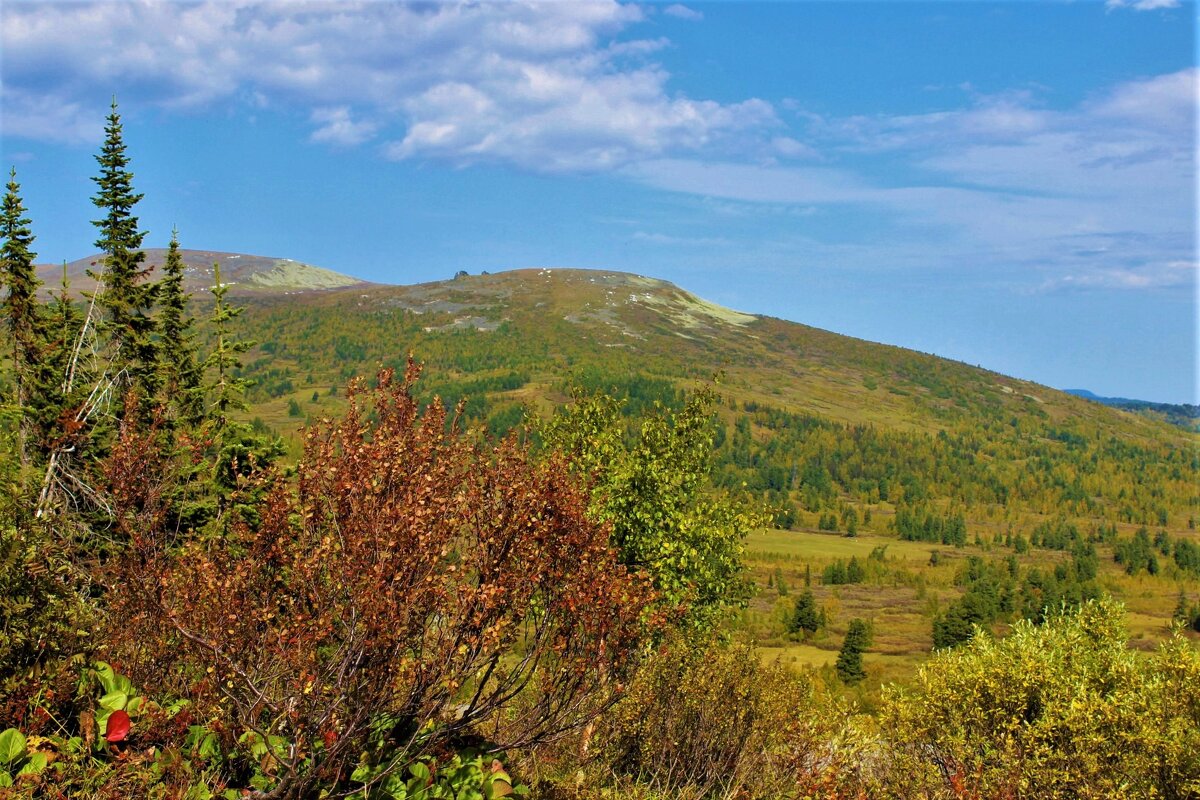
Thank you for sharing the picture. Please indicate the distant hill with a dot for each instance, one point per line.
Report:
(243, 273)
(1184, 415)
(595, 324)
(552, 324)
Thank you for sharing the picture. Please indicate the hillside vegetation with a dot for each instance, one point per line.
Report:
(560, 533)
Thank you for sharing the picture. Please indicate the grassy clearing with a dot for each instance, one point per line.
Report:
(775, 546)
(902, 593)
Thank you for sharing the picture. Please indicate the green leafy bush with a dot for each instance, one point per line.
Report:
(1061, 710)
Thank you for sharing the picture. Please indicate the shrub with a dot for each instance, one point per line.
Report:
(412, 586)
(1053, 711)
(713, 721)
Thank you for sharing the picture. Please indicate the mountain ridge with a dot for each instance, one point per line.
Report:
(652, 321)
(240, 271)
(1183, 415)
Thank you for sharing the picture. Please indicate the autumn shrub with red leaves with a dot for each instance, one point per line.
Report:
(405, 589)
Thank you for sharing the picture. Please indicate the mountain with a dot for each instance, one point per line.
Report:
(243, 273)
(1183, 415)
(556, 322)
(552, 325)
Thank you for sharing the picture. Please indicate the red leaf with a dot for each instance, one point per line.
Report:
(118, 727)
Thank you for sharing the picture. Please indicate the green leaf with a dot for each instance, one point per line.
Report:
(5, 780)
(12, 746)
(198, 791)
(114, 701)
(37, 762)
(106, 676)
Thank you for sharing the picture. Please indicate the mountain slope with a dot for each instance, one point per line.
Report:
(555, 321)
(243, 273)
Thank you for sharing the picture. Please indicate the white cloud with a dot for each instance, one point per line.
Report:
(1141, 5)
(682, 241)
(337, 127)
(37, 116)
(789, 147)
(1172, 274)
(1164, 100)
(544, 86)
(683, 12)
(1096, 196)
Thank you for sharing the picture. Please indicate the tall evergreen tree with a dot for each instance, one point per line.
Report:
(126, 297)
(227, 390)
(849, 660)
(182, 376)
(21, 309)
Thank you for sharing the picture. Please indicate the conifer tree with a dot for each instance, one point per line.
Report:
(805, 618)
(125, 295)
(228, 391)
(238, 447)
(181, 374)
(21, 309)
(49, 380)
(64, 324)
(849, 660)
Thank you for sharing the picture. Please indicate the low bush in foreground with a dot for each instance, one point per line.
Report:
(1060, 710)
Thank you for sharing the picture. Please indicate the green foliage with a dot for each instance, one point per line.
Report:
(927, 526)
(849, 661)
(1137, 553)
(652, 491)
(465, 775)
(182, 376)
(806, 616)
(842, 572)
(16, 759)
(996, 590)
(124, 294)
(1054, 711)
(41, 607)
(227, 390)
(780, 584)
(23, 317)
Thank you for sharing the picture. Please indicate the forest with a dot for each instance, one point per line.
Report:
(500, 564)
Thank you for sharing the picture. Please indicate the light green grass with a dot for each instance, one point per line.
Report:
(776, 545)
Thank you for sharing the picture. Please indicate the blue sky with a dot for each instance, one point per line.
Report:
(1010, 185)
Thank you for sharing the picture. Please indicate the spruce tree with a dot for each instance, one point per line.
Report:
(21, 309)
(849, 660)
(805, 619)
(125, 296)
(181, 375)
(64, 324)
(227, 389)
(238, 448)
